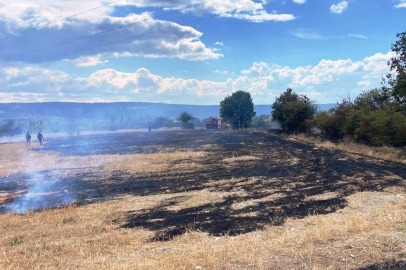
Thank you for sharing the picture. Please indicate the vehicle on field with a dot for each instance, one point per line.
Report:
(216, 123)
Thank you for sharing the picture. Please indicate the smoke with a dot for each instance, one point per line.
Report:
(45, 189)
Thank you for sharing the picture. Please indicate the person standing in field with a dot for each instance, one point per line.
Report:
(28, 138)
(40, 138)
(150, 128)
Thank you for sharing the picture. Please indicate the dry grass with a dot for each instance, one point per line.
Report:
(370, 229)
(241, 159)
(382, 152)
(17, 158)
(86, 238)
(154, 162)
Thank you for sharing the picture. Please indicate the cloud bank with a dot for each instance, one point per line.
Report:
(325, 82)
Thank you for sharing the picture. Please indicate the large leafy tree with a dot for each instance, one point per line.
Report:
(238, 109)
(292, 111)
(187, 120)
(397, 66)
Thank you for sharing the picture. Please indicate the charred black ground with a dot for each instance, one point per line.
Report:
(291, 169)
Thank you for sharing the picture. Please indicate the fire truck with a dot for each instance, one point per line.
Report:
(216, 123)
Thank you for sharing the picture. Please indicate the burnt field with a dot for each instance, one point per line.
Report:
(292, 170)
(250, 181)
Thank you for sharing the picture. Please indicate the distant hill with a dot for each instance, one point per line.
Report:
(102, 111)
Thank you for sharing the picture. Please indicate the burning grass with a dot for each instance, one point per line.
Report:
(39, 185)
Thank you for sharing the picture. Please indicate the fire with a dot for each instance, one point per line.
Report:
(71, 205)
(7, 199)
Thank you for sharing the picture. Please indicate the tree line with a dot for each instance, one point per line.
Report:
(376, 117)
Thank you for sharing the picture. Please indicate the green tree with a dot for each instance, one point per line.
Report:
(292, 111)
(9, 128)
(378, 98)
(397, 65)
(238, 109)
(187, 120)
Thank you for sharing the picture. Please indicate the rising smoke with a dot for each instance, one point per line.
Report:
(45, 189)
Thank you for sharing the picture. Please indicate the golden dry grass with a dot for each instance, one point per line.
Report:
(370, 229)
(17, 158)
(154, 162)
(241, 159)
(86, 238)
(382, 152)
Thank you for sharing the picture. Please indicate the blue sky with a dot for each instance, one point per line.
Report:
(325, 49)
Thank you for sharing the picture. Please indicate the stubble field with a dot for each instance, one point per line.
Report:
(198, 200)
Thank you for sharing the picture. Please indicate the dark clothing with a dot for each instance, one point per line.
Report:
(40, 138)
(28, 138)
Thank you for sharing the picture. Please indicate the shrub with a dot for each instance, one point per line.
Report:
(292, 111)
(328, 124)
(378, 127)
(396, 129)
(371, 127)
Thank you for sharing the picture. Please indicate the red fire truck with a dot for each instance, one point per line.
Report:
(216, 123)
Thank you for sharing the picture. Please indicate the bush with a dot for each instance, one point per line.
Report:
(378, 127)
(328, 124)
(292, 111)
(370, 127)
(396, 129)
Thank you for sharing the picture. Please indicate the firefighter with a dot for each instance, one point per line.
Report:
(40, 138)
(28, 138)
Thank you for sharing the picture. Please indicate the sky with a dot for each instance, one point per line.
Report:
(194, 52)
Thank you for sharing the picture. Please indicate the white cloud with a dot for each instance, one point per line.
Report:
(247, 9)
(34, 13)
(224, 72)
(32, 79)
(339, 8)
(402, 4)
(262, 15)
(299, 1)
(325, 82)
(176, 41)
(88, 61)
(307, 34)
(364, 83)
(259, 69)
(357, 36)
(219, 43)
